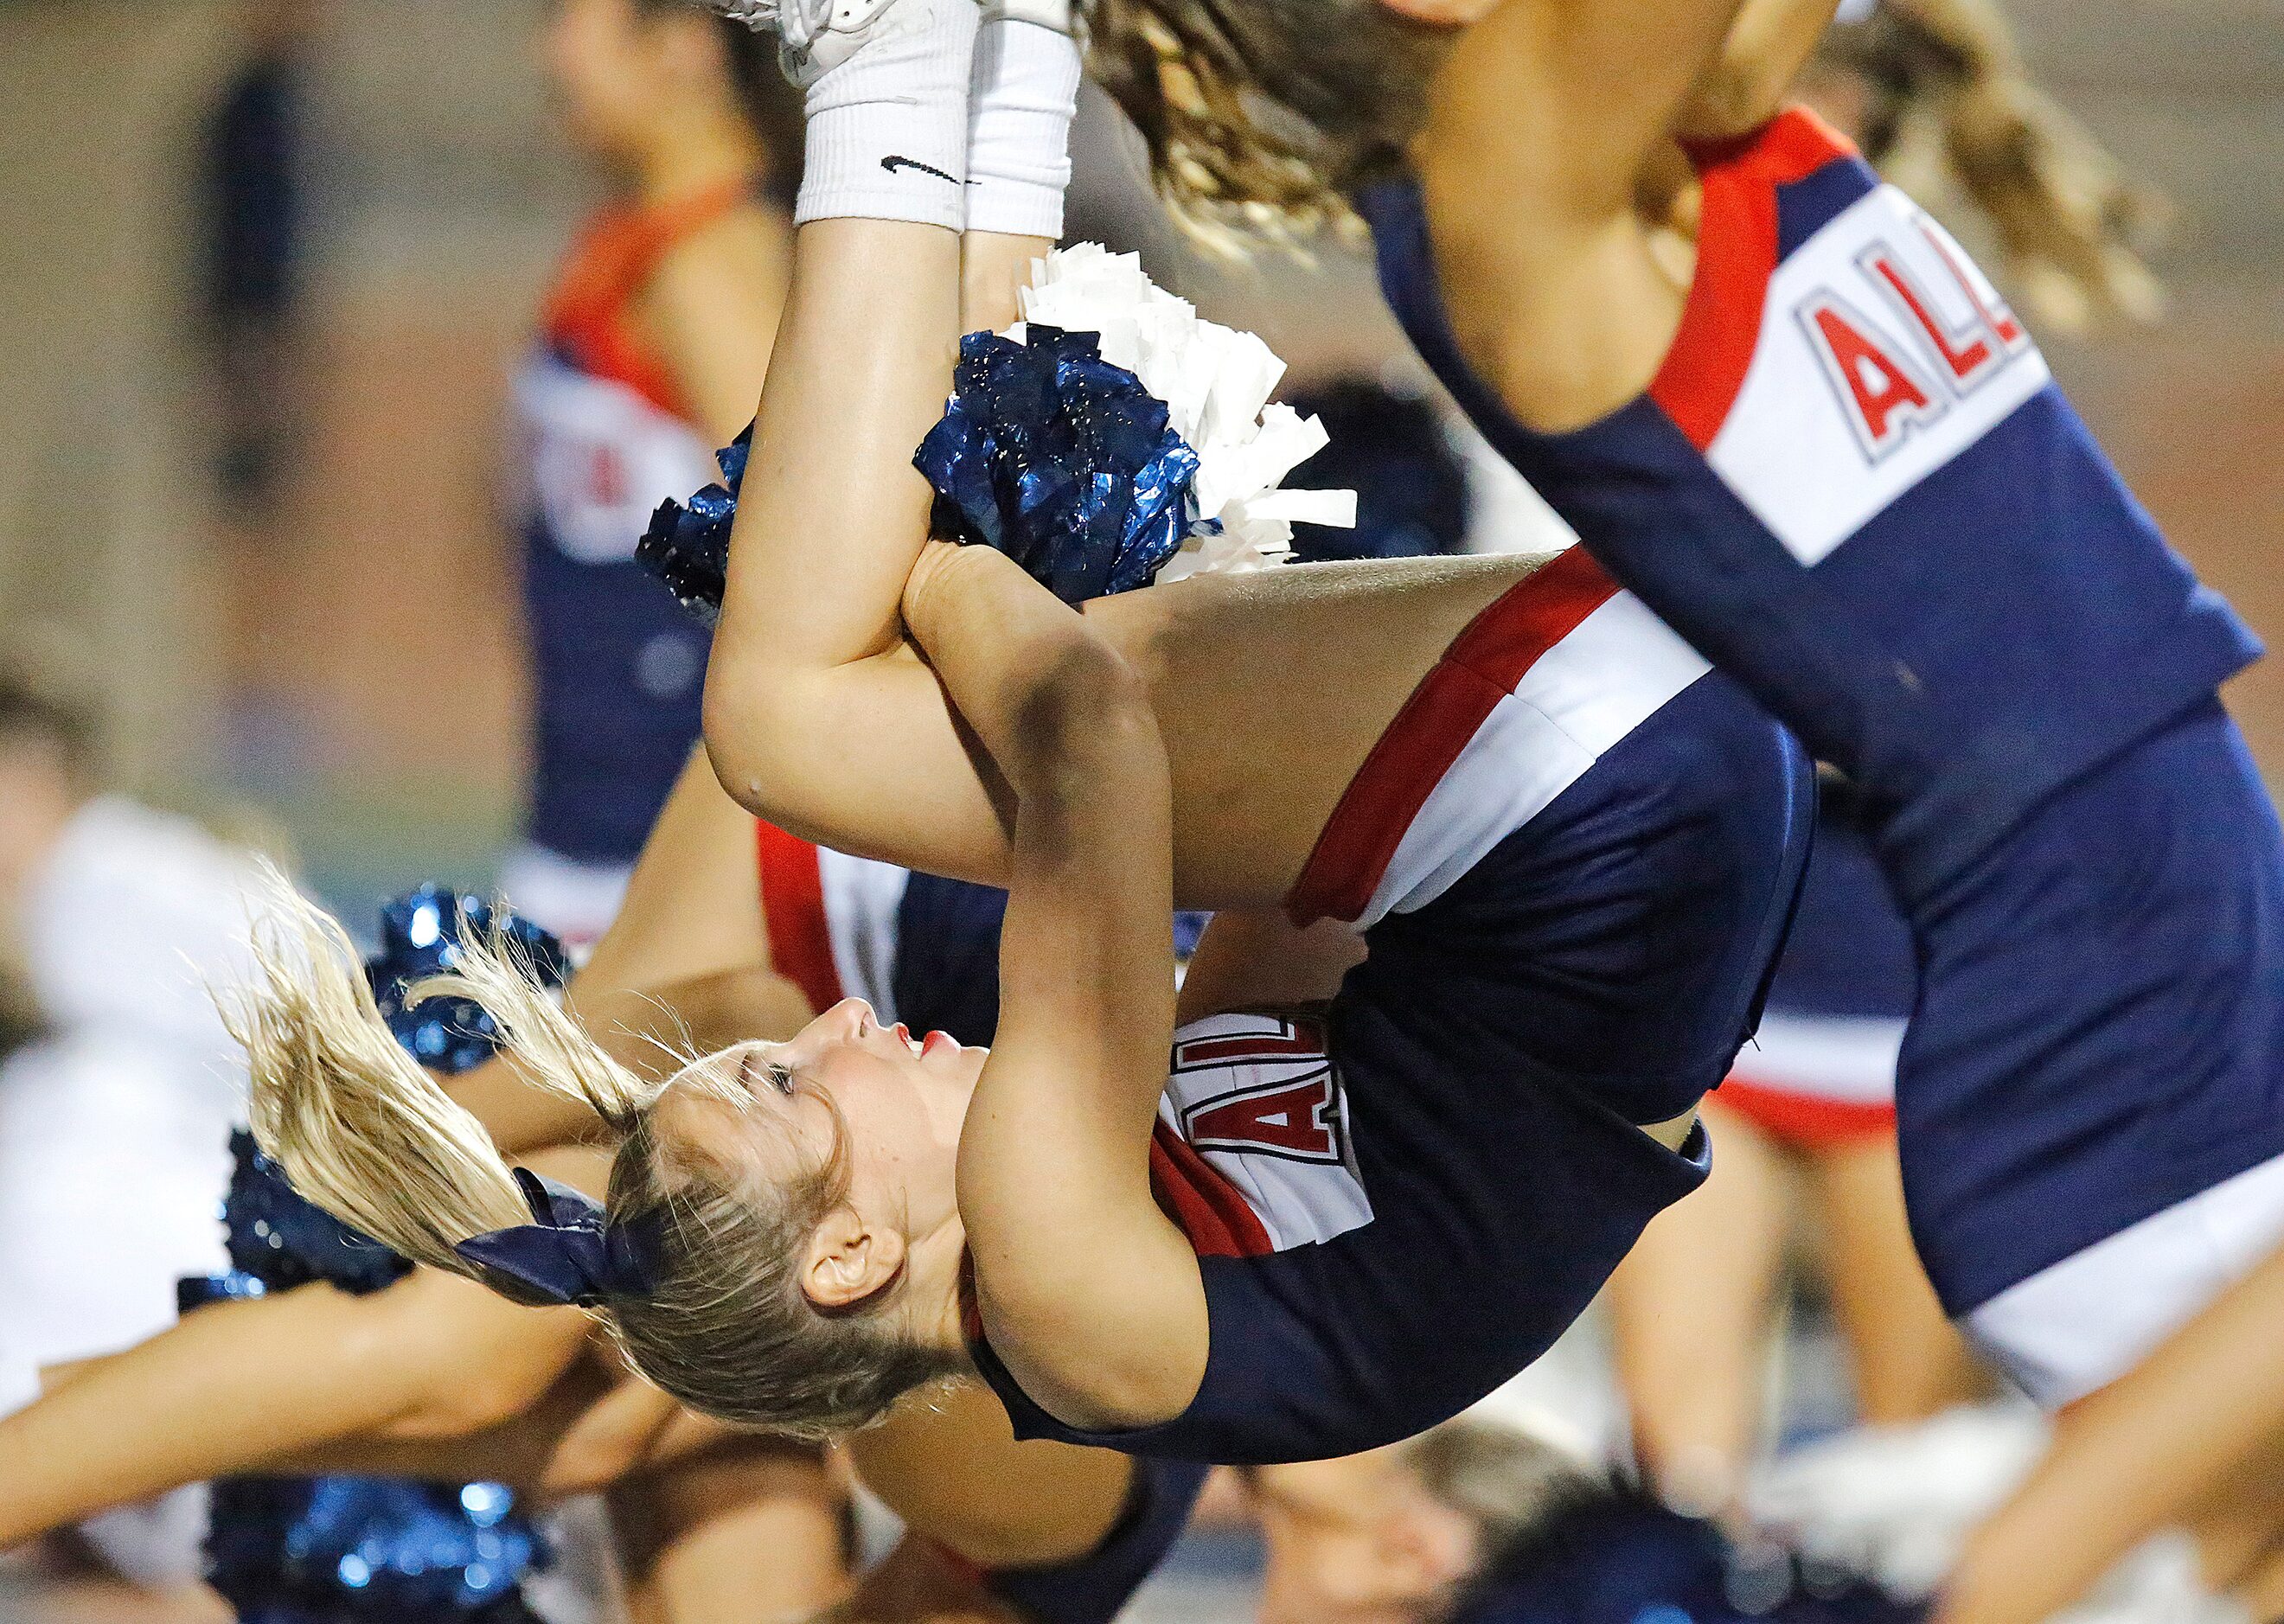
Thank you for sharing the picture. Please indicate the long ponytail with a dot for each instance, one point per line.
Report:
(359, 1126)
(367, 1134)
(1946, 80)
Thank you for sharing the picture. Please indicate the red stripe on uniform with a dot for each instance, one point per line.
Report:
(1807, 1120)
(1482, 667)
(1736, 255)
(1207, 1207)
(589, 318)
(793, 909)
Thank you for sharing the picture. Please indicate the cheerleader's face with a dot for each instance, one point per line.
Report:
(1358, 1540)
(612, 68)
(888, 1106)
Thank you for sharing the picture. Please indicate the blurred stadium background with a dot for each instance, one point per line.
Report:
(305, 619)
(339, 652)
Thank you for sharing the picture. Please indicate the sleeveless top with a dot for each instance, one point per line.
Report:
(1855, 487)
(1349, 1209)
(617, 669)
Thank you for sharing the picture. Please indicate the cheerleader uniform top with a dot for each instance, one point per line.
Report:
(1573, 855)
(617, 669)
(1854, 487)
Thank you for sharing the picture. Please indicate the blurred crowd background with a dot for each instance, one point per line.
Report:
(267, 267)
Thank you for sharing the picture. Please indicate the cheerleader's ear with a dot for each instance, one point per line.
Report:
(850, 1260)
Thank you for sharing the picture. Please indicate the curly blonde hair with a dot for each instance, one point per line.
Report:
(1947, 90)
(1261, 115)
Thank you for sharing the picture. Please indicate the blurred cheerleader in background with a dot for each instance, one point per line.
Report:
(652, 352)
(1779, 402)
(119, 1095)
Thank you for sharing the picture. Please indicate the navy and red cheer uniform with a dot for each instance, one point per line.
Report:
(618, 669)
(1854, 486)
(1573, 855)
(1821, 1069)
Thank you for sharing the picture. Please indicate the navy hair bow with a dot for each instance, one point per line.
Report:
(567, 1254)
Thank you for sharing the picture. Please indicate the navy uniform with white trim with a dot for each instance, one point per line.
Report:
(617, 669)
(1820, 1072)
(1573, 855)
(1854, 486)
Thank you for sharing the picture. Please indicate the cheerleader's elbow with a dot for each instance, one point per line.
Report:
(748, 712)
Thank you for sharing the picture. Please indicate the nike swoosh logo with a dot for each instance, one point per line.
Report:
(894, 164)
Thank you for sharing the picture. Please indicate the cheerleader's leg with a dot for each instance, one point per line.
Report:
(2135, 1457)
(750, 1528)
(1691, 1311)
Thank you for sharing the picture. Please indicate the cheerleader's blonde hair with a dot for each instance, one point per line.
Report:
(372, 1137)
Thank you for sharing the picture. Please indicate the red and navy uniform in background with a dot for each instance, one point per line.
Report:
(1573, 855)
(1855, 487)
(618, 670)
(1821, 1070)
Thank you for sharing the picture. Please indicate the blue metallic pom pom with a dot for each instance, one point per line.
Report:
(345, 1550)
(1048, 452)
(342, 1550)
(278, 1241)
(1061, 461)
(687, 545)
(419, 934)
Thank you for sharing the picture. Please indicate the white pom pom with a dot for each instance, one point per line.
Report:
(1216, 384)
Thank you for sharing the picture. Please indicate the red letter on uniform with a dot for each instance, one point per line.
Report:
(1293, 1120)
(1887, 397)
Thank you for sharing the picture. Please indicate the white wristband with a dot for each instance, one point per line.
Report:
(1026, 92)
(887, 127)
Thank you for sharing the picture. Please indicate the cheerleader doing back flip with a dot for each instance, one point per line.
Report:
(1571, 848)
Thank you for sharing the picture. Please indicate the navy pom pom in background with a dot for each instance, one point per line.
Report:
(419, 933)
(687, 545)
